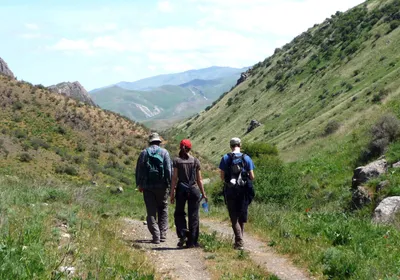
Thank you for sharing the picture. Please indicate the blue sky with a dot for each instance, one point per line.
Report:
(103, 42)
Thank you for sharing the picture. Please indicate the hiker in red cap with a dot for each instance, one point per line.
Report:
(187, 186)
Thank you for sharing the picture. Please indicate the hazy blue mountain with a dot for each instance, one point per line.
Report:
(210, 73)
(167, 97)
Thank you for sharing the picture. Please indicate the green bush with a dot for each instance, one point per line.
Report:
(384, 132)
(276, 182)
(37, 143)
(66, 169)
(331, 127)
(339, 264)
(25, 157)
(259, 149)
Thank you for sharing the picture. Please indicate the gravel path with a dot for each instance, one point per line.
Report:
(169, 261)
(261, 254)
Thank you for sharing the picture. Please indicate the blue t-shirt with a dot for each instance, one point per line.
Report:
(226, 161)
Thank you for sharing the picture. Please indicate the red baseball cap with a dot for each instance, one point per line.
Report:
(186, 143)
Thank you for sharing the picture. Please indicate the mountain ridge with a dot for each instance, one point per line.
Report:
(169, 100)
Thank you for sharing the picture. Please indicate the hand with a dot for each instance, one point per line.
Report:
(205, 198)
(140, 189)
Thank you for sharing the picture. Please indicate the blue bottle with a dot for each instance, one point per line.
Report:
(204, 205)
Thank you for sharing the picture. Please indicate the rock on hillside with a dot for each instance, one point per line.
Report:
(74, 90)
(5, 70)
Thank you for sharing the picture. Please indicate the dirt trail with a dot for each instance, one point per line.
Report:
(261, 254)
(173, 263)
(170, 262)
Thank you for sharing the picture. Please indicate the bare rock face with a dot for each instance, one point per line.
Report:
(5, 70)
(386, 210)
(364, 173)
(74, 90)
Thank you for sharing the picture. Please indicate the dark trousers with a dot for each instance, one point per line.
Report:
(192, 196)
(237, 221)
(156, 201)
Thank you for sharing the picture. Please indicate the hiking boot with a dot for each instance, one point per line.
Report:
(163, 239)
(155, 241)
(194, 245)
(238, 246)
(181, 242)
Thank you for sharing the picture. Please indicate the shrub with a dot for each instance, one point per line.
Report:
(20, 134)
(80, 147)
(60, 129)
(338, 264)
(17, 106)
(67, 169)
(331, 127)
(78, 159)
(385, 131)
(94, 154)
(258, 149)
(36, 143)
(125, 180)
(25, 157)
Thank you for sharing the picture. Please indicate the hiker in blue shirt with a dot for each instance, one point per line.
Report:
(153, 177)
(236, 170)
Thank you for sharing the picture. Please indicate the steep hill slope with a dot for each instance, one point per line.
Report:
(335, 75)
(47, 134)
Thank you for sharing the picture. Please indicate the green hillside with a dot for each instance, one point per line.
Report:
(328, 102)
(61, 162)
(341, 71)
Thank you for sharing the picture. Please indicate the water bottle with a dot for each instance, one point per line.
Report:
(204, 205)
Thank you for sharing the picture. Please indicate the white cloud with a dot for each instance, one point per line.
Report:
(164, 6)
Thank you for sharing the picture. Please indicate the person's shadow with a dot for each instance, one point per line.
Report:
(137, 242)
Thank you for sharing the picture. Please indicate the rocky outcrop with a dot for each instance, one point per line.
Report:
(74, 90)
(253, 124)
(243, 77)
(364, 173)
(386, 211)
(5, 70)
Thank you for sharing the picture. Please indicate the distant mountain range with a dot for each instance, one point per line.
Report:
(167, 96)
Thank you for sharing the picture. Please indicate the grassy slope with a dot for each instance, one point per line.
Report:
(298, 90)
(303, 206)
(51, 148)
